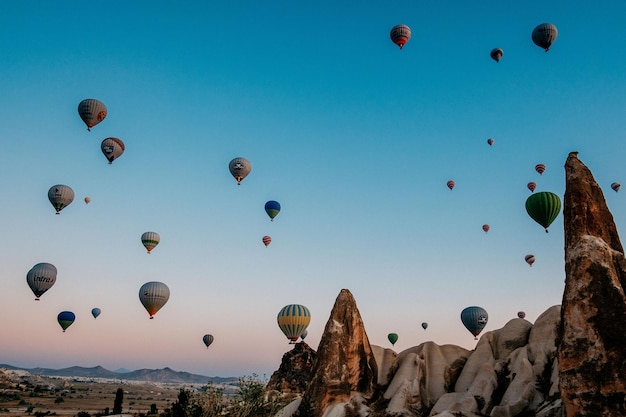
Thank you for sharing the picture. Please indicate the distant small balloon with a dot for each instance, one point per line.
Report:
(112, 148)
(400, 35)
(272, 208)
(530, 259)
(424, 325)
(60, 196)
(95, 312)
(450, 184)
(531, 186)
(266, 240)
(521, 314)
(496, 54)
(393, 338)
(490, 141)
(544, 35)
(65, 319)
(150, 240)
(92, 112)
(540, 168)
(304, 334)
(87, 200)
(615, 186)
(208, 339)
(486, 228)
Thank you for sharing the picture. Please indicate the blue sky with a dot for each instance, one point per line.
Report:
(354, 137)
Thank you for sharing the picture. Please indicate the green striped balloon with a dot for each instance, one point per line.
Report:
(543, 207)
(293, 320)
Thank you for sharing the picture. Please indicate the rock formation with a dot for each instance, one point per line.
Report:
(294, 373)
(592, 351)
(344, 365)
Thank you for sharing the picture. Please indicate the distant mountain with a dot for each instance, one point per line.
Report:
(165, 375)
(121, 371)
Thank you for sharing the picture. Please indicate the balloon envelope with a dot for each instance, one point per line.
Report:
(530, 259)
(60, 196)
(92, 112)
(153, 295)
(239, 168)
(87, 200)
(496, 54)
(400, 35)
(112, 148)
(65, 319)
(393, 338)
(474, 319)
(486, 228)
(150, 240)
(450, 184)
(531, 186)
(293, 320)
(490, 141)
(424, 325)
(544, 35)
(272, 208)
(95, 312)
(543, 207)
(41, 278)
(304, 334)
(266, 240)
(521, 314)
(540, 168)
(207, 339)
(616, 186)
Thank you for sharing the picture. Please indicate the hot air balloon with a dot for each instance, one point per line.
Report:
(400, 35)
(540, 168)
(531, 186)
(112, 148)
(474, 319)
(393, 338)
(293, 320)
(544, 35)
(60, 196)
(65, 319)
(272, 208)
(304, 334)
(496, 54)
(207, 339)
(150, 240)
(92, 112)
(266, 240)
(450, 184)
(615, 186)
(424, 325)
(95, 312)
(41, 278)
(543, 208)
(486, 228)
(153, 295)
(87, 200)
(530, 259)
(240, 168)
(521, 314)
(490, 141)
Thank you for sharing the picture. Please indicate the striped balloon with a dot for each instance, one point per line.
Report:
(92, 112)
(531, 186)
(543, 207)
(530, 259)
(208, 339)
(400, 35)
(153, 295)
(486, 228)
(266, 240)
(540, 168)
(60, 196)
(41, 278)
(450, 184)
(544, 35)
(150, 240)
(112, 148)
(293, 320)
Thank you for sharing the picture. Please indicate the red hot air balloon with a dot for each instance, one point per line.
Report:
(267, 240)
(531, 186)
(540, 168)
(485, 228)
(450, 184)
(400, 35)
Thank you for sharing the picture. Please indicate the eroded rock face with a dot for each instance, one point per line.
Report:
(345, 366)
(294, 373)
(592, 349)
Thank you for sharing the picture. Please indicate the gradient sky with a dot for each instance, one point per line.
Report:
(354, 137)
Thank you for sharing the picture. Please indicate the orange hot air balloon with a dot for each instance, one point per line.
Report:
(400, 35)
(531, 186)
(267, 240)
(485, 228)
(540, 168)
(450, 184)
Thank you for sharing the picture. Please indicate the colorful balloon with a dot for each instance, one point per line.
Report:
(521, 314)
(540, 168)
(531, 186)
(41, 278)
(272, 208)
(60, 196)
(424, 325)
(486, 228)
(543, 208)
(92, 112)
(293, 320)
(400, 35)
(616, 186)
(266, 240)
(544, 35)
(474, 319)
(65, 319)
(112, 148)
(207, 339)
(153, 295)
(450, 184)
(95, 312)
(150, 240)
(393, 338)
(496, 54)
(530, 259)
(239, 168)
(490, 141)
(87, 200)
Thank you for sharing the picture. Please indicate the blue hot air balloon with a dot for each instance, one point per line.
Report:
(95, 312)
(474, 319)
(272, 208)
(65, 319)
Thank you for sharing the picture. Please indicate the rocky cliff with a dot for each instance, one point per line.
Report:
(294, 372)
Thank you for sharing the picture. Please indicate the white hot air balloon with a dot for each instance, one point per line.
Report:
(239, 168)
(153, 295)
(150, 240)
(92, 112)
(41, 278)
(112, 148)
(60, 196)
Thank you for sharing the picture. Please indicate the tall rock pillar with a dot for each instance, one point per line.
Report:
(592, 349)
